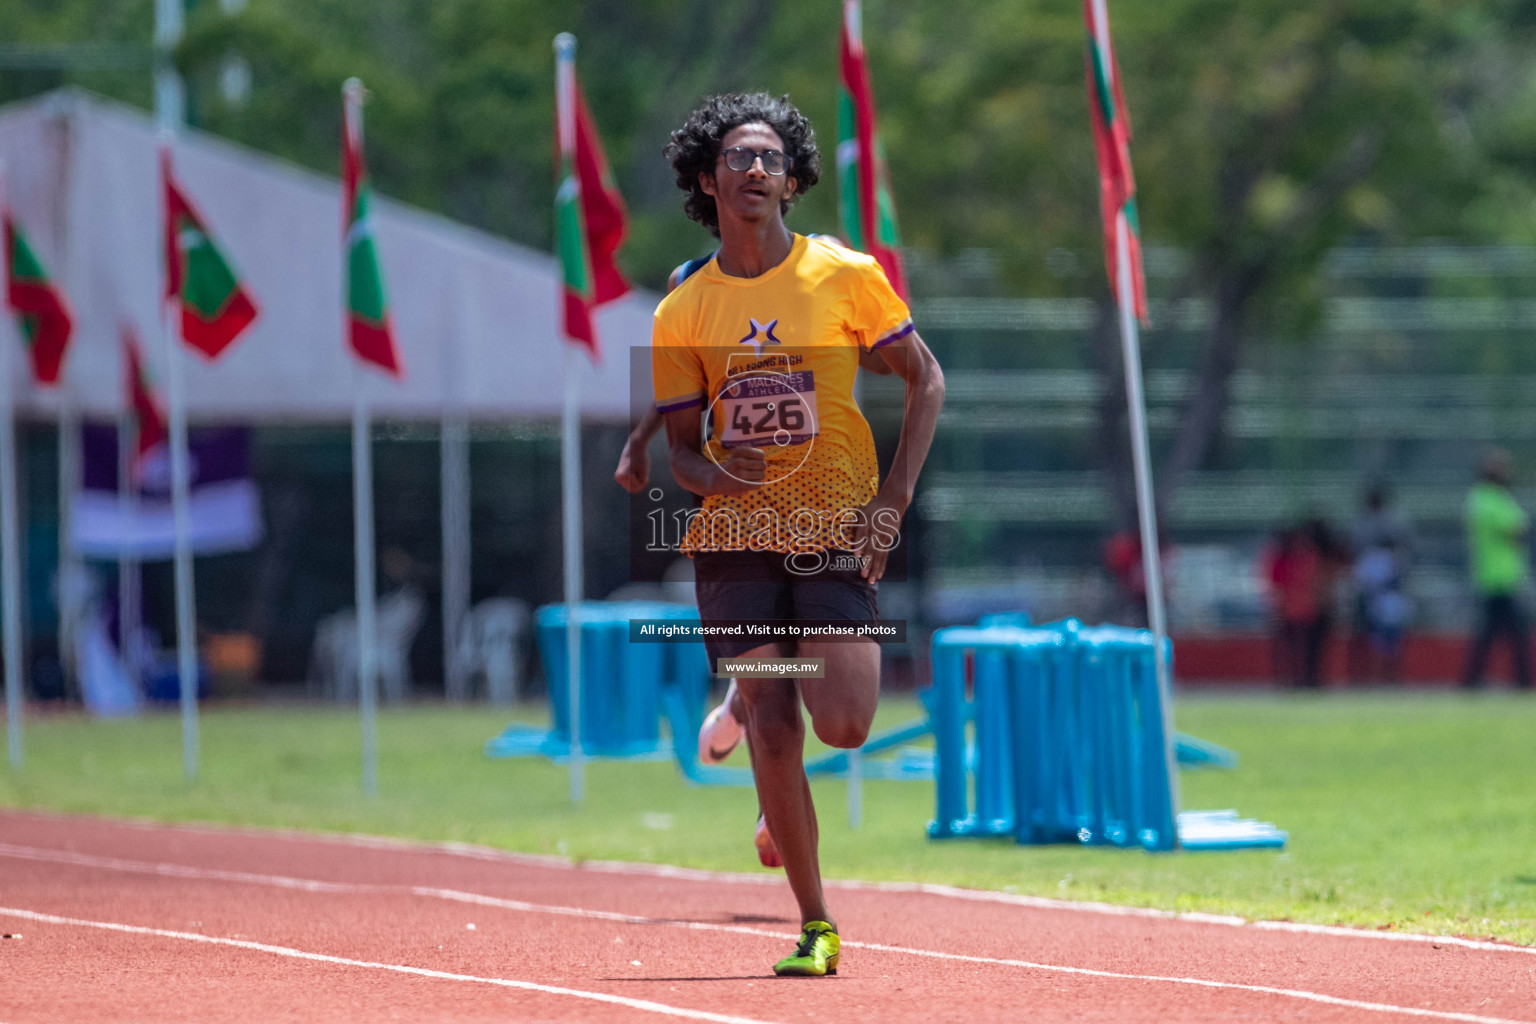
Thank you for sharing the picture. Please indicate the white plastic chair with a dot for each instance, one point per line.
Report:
(333, 667)
(490, 644)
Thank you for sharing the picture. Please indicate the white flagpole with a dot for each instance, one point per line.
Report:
(127, 561)
(181, 486)
(1151, 556)
(170, 112)
(853, 23)
(10, 554)
(855, 787)
(570, 489)
(10, 547)
(570, 441)
(367, 622)
(69, 487)
(170, 94)
(362, 513)
(71, 452)
(455, 513)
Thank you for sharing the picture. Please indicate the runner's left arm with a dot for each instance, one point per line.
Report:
(909, 358)
(634, 468)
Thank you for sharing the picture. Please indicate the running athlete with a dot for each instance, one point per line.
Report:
(764, 342)
(722, 730)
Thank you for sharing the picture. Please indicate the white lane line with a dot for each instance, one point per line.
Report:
(325, 958)
(458, 896)
(1292, 993)
(698, 875)
(1192, 917)
(486, 853)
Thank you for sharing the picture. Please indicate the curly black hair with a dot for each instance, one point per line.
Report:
(696, 145)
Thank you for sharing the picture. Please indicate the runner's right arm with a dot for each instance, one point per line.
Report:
(634, 469)
(743, 470)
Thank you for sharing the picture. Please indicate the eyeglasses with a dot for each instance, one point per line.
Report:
(740, 158)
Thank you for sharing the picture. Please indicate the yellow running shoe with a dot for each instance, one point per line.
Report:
(815, 955)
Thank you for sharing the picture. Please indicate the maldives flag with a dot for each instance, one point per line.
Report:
(590, 221)
(864, 189)
(368, 327)
(141, 399)
(1112, 145)
(38, 304)
(215, 307)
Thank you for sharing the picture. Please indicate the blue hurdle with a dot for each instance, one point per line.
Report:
(1069, 740)
(623, 684)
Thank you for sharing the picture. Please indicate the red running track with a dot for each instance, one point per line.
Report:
(121, 921)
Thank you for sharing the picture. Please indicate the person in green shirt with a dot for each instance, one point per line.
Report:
(1496, 536)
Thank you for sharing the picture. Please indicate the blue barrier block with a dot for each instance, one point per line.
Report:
(1071, 741)
(1041, 779)
(1017, 619)
(994, 749)
(952, 815)
(1224, 830)
(1136, 784)
(621, 684)
(1157, 828)
(991, 711)
(1193, 752)
(1063, 798)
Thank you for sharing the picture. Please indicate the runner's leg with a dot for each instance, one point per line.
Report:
(841, 706)
(776, 736)
(842, 703)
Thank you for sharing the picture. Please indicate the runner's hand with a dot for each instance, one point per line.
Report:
(634, 468)
(875, 535)
(742, 472)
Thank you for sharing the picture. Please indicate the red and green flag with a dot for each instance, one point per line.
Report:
(38, 304)
(215, 306)
(864, 189)
(1112, 145)
(369, 331)
(147, 411)
(590, 222)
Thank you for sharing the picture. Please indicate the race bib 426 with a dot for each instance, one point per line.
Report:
(768, 410)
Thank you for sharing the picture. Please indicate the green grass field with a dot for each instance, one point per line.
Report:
(1409, 812)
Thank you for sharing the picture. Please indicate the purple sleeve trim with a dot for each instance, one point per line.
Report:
(899, 333)
(680, 403)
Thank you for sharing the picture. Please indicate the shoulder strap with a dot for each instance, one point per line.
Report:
(693, 266)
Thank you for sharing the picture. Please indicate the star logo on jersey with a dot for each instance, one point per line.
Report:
(760, 335)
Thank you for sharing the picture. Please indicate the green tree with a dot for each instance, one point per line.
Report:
(1266, 132)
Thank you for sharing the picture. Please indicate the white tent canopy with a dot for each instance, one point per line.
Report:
(476, 317)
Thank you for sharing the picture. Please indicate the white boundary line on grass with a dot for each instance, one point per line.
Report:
(486, 853)
(424, 972)
(458, 896)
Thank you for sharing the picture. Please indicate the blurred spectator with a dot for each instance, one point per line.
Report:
(1382, 612)
(1302, 568)
(1123, 562)
(1287, 566)
(1496, 533)
(1383, 553)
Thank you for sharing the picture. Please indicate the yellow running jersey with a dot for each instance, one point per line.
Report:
(771, 361)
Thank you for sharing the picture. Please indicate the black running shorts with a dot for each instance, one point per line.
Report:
(735, 586)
